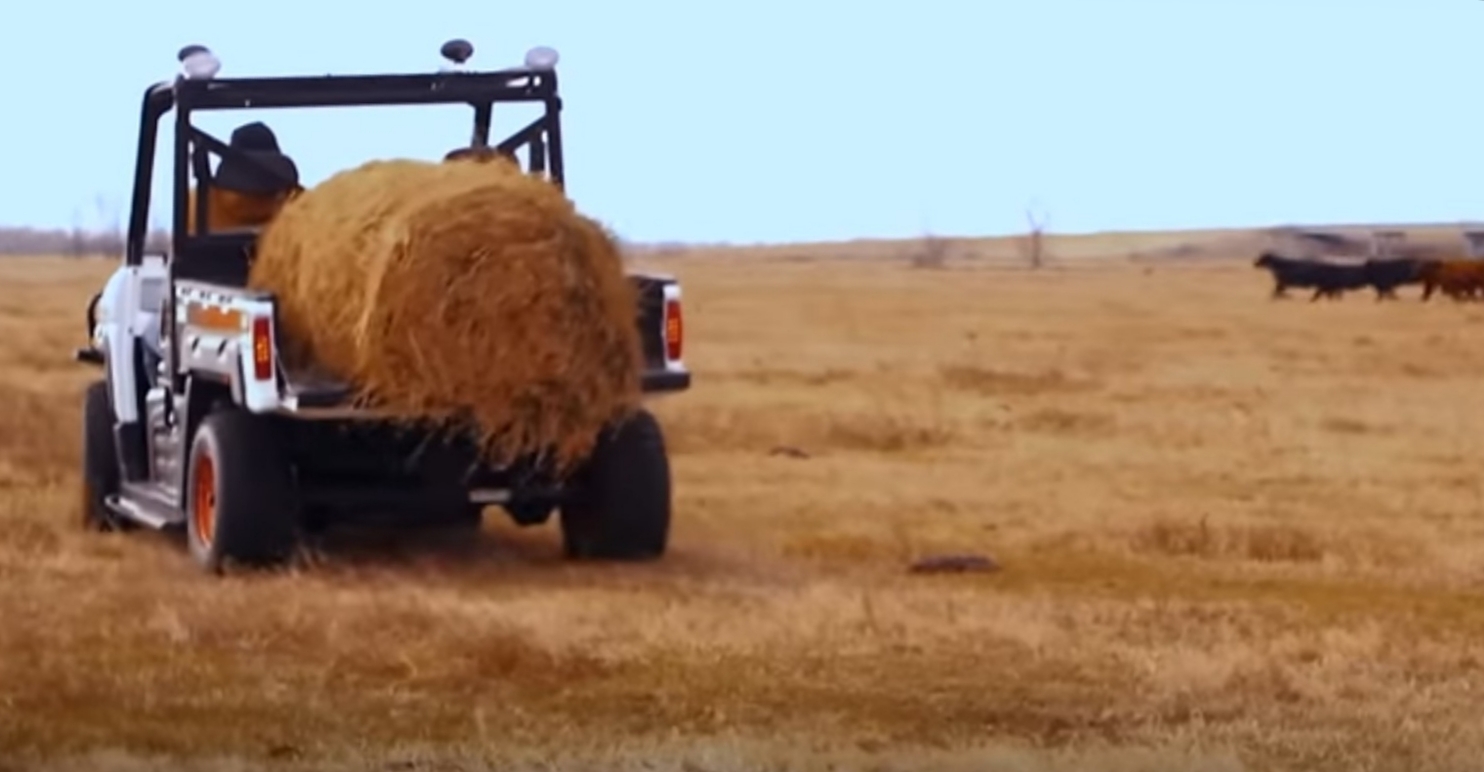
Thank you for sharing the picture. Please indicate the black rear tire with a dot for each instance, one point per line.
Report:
(240, 502)
(100, 466)
(618, 503)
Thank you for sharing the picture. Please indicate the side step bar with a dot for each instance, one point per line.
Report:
(146, 506)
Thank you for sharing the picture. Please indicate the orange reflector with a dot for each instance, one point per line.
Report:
(262, 349)
(674, 330)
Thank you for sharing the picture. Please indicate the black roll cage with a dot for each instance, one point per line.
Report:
(480, 90)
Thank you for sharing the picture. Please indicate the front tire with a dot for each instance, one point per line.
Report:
(618, 504)
(240, 504)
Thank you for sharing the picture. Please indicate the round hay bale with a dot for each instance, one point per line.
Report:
(470, 295)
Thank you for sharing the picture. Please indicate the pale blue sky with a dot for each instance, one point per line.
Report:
(781, 120)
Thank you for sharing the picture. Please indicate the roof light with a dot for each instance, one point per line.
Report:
(457, 52)
(198, 63)
(542, 58)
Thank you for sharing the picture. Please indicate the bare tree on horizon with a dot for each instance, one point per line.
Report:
(1033, 244)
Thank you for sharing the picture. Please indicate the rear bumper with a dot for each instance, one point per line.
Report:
(665, 380)
(334, 400)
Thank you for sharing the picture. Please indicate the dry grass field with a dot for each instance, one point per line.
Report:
(1233, 534)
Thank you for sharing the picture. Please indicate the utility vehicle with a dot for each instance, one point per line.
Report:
(197, 424)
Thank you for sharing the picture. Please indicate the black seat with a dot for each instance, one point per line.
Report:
(218, 258)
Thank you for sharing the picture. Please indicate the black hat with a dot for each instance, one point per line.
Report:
(256, 140)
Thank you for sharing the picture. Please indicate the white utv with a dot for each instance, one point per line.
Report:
(197, 424)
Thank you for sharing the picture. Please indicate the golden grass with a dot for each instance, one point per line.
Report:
(1235, 534)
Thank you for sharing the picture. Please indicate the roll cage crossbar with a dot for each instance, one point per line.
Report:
(194, 147)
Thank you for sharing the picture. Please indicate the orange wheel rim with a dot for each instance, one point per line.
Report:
(204, 500)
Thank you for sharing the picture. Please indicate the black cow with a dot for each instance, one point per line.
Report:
(1389, 273)
(1330, 280)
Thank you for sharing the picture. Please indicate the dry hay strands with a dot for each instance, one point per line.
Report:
(467, 295)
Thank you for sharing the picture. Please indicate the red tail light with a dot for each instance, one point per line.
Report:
(674, 330)
(262, 349)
